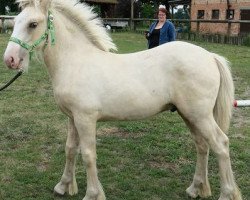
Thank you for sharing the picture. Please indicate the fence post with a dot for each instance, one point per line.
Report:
(198, 26)
(132, 25)
(3, 27)
(229, 28)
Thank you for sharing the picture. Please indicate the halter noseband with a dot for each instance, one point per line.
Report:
(49, 31)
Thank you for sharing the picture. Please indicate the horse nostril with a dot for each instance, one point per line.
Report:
(9, 60)
(12, 60)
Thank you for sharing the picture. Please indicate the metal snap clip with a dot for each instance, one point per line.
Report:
(51, 17)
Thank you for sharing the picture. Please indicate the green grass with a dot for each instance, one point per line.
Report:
(152, 159)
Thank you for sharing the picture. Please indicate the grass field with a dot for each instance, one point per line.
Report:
(152, 159)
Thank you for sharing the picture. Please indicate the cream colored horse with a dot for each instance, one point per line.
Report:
(92, 84)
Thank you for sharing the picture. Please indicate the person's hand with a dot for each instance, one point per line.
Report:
(147, 35)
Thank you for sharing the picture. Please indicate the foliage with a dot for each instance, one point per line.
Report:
(97, 9)
(123, 9)
(181, 14)
(247, 41)
(155, 3)
(150, 7)
(147, 11)
(142, 8)
(12, 5)
(147, 159)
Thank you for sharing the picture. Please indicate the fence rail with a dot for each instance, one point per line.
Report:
(198, 21)
(219, 38)
(240, 39)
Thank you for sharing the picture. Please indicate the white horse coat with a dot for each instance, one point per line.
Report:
(92, 84)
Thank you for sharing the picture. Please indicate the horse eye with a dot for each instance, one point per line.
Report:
(33, 25)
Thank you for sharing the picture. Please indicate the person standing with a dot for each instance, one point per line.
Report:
(161, 31)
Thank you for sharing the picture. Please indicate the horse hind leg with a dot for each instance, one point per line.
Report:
(68, 180)
(200, 185)
(219, 143)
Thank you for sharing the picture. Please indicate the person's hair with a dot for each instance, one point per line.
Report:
(164, 10)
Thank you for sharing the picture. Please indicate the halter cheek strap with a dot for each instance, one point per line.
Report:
(50, 31)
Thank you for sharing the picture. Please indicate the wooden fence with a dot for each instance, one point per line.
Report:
(141, 25)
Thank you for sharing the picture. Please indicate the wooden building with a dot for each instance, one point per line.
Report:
(107, 7)
(221, 10)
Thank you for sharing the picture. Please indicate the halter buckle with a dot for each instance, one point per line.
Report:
(51, 17)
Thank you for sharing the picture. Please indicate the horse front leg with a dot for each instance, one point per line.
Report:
(68, 180)
(86, 128)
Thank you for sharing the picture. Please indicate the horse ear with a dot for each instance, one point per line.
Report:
(22, 4)
(43, 4)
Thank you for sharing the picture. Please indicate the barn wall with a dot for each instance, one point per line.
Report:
(221, 5)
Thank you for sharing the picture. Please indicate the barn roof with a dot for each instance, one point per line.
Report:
(103, 1)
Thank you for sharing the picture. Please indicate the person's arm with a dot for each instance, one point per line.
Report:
(171, 32)
(147, 33)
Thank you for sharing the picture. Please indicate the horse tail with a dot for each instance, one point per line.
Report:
(224, 102)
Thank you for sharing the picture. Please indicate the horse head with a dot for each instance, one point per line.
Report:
(29, 33)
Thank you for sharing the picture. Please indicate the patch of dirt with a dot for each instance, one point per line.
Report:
(240, 118)
(114, 131)
(43, 164)
(7, 179)
(240, 121)
(185, 161)
(246, 94)
(163, 165)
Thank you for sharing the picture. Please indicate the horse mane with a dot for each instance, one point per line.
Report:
(23, 3)
(82, 15)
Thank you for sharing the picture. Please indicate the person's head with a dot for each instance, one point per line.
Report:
(162, 13)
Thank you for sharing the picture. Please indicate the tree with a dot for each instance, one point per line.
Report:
(147, 11)
(156, 3)
(2, 7)
(123, 9)
(181, 14)
(149, 8)
(142, 8)
(12, 5)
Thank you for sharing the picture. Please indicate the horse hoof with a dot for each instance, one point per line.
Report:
(192, 192)
(59, 189)
(73, 189)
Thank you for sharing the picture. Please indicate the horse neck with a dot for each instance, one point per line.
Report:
(71, 45)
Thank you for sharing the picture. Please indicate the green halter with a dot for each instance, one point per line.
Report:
(49, 31)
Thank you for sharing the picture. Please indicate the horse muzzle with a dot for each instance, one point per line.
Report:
(12, 58)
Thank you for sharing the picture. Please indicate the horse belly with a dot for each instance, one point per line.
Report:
(130, 108)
